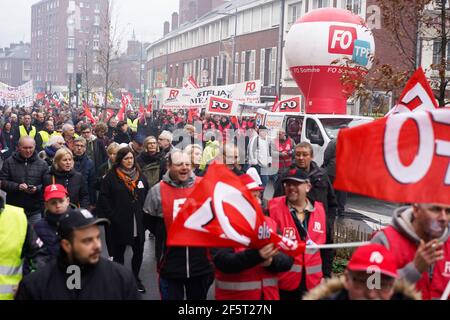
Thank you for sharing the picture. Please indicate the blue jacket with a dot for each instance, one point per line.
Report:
(46, 231)
(85, 166)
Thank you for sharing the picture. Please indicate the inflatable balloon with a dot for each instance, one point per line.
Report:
(315, 43)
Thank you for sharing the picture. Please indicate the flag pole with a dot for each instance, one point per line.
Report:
(338, 245)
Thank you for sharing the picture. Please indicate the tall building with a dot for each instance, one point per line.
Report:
(15, 64)
(67, 37)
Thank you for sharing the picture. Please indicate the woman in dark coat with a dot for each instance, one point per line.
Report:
(62, 172)
(121, 199)
(7, 140)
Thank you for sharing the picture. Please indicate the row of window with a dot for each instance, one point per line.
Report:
(71, 43)
(437, 46)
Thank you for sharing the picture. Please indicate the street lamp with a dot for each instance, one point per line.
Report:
(233, 68)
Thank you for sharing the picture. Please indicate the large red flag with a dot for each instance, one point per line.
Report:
(150, 106)
(401, 158)
(88, 113)
(275, 105)
(416, 96)
(221, 212)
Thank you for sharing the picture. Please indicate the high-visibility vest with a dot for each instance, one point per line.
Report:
(404, 251)
(255, 283)
(13, 231)
(46, 137)
(23, 131)
(310, 261)
(133, 124)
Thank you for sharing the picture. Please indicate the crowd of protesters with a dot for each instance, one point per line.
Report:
(70, 175)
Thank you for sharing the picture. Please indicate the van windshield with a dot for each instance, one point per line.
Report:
(333, 125)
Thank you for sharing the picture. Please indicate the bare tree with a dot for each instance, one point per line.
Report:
(407, 26)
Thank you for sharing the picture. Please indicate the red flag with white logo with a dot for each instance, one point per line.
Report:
(190, 83)
(221, 212)
(416, 96)
(87, 113)
(402, 158)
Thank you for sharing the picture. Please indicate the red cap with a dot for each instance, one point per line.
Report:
(373, 257)
(55, 191)
(250, 183)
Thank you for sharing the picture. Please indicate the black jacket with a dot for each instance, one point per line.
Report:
(118, 205)
(85, 166)
(122, 137)
(148, 128)
(96, 151)
(104, 281)
(74, 183)
(7, 141)
(46, 230)
(17, 170)
(34, 252)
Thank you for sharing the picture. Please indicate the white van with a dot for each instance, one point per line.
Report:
(317, 129)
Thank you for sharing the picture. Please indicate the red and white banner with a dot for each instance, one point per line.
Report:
(190, 83)
(221, 212)
(245, 92)
(221, 106)
(289, 105)
(401, 158)
(416, 96)
(12, 96)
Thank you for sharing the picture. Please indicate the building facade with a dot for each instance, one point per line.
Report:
(67, 37)
(15, 64)
(239, 41)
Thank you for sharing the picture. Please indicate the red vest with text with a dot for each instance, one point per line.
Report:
(286, 146)
(252, 284)
(172, 200)
(310, 261)
(404, 251)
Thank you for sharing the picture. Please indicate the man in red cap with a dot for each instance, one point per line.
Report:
(371, 274)
(57, 202)
(249, 274)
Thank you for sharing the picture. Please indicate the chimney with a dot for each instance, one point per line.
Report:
(174, 21)
(166, 28)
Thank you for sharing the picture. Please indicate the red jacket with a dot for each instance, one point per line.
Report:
(256, 283)
(310, 260)
(404, 250)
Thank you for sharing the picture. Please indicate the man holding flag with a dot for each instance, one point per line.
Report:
(180, 268)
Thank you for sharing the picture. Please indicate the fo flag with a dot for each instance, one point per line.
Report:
(401, 158)
(417, 95)
(221, 212)
(289, 105)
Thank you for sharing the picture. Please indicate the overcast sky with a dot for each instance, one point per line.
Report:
(145, 16)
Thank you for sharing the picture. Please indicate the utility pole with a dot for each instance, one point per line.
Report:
(70, 89)
(141, 93)
(279, 71)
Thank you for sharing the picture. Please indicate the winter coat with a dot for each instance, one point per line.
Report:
(96, 151)
(105, 280)
(329, 160)
(47, 155)
(17, 170)
(74, 182)
(7, 141)
(151, 167)
(85, 166)
(122, 137)
(117, 204)
(174, 262)
(333, 289)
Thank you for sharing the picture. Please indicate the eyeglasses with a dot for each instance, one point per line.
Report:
(80, 146)
(85, 132)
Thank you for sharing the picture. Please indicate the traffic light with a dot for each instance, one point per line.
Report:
(78, 81)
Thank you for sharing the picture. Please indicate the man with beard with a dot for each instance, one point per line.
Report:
(79, 273)
(419, 239)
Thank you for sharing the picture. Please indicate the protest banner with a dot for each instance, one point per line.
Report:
(12, 96)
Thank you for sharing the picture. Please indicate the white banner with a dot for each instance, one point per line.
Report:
(246, 92)
(12, 96)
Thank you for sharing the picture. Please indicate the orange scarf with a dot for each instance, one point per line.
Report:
(129, 183)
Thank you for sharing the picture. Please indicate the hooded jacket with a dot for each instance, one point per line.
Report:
(333, 289)
(401, 221)
(17, 170)
(173, 261)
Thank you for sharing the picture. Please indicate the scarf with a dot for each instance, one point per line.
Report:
(129, 178)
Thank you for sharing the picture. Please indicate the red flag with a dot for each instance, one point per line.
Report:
(416, 96)
(401, 158)
(221, 212)
(290, 105)
(275, 104)
(88, 113)
(109, 114)
(190, 83)
(150, 106)
(40, 96)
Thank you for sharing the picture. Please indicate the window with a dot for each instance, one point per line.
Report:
(96, 20)
(276, 13)
(265, 16)
(96, 44)
(321, 4)
(256, 19)
(294, 11)
(354, 6)
(313, 132)
(71, 43)
(437, 54)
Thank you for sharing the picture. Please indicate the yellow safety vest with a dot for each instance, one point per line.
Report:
(133, 124)
(23, 132)
(13, 231)
(45, 137)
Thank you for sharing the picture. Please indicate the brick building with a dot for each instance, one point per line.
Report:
(204, 46)
(15, 64)
(66, 37)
